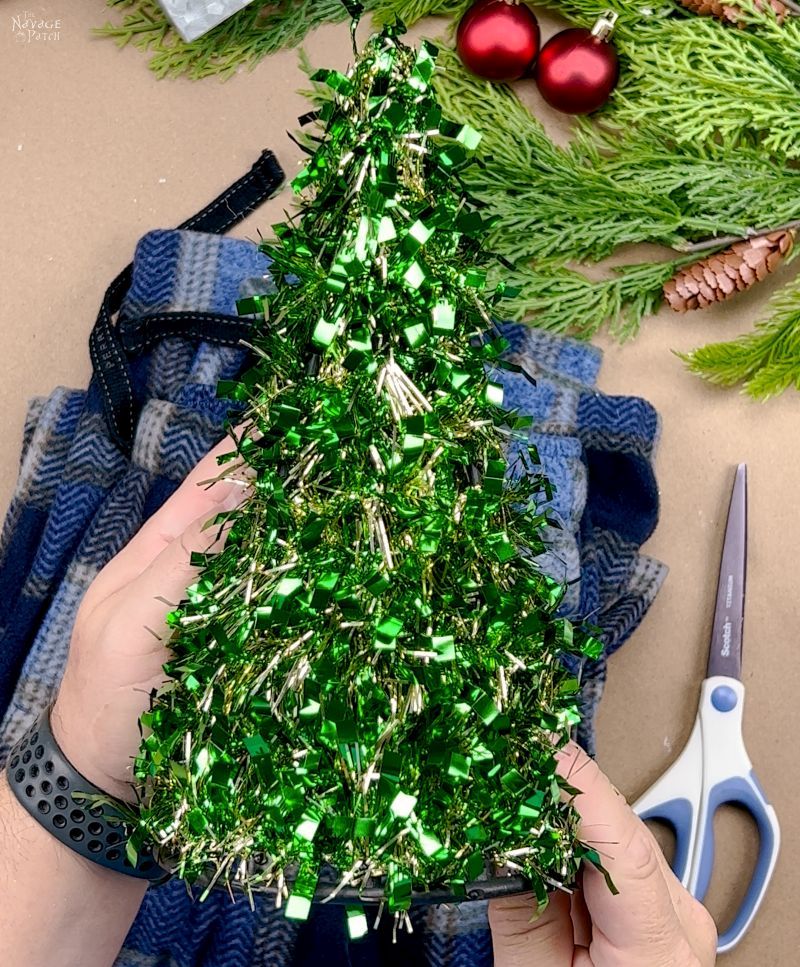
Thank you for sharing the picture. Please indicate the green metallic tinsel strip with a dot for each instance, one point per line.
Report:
(367, 675)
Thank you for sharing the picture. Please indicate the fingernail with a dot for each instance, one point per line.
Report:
(237, 495)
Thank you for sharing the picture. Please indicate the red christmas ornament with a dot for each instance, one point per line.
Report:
(578, 68)
(498, 39)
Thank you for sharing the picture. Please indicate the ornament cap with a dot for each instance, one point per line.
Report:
(604, 27)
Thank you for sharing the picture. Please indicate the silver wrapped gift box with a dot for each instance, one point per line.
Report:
(193, 18)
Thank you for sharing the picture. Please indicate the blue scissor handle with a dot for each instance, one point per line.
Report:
(678, 814)
(745, 792)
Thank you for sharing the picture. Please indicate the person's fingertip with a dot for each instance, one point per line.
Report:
(502, 906)
(207, 535)
(705, 936)
(570, 753)
(635, 857)
(239, 492)
(226, 492)
(578, 769)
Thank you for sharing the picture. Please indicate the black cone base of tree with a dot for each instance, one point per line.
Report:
(367, 676)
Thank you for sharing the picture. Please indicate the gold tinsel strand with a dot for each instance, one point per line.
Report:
(720, 276)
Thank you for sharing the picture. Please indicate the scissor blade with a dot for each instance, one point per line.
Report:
(725, 653)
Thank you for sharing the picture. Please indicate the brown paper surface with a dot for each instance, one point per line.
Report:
(94, 151)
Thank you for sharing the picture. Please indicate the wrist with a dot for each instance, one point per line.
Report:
(86, 749)
(43, 851)
(73, 809)
(59, 907)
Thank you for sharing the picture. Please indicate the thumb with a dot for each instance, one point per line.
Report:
(641, 921)
(520, 938)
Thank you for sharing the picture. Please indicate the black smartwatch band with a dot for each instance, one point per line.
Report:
(55, 794)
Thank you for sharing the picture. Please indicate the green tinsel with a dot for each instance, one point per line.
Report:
(368, 675)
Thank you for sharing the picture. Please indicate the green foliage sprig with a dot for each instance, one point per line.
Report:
(697, 80)
(555, 207)
(567, 301)
(767, 360)
(745, 83)
(604, 191)
(410, 11)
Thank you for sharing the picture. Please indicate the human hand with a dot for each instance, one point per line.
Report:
(118, 643)
(652, 922)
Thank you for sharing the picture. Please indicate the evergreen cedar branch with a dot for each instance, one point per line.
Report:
(672, 162)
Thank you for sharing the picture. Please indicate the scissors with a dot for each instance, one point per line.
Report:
(714, 769)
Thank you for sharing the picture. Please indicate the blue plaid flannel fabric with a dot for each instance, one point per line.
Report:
(78, 501)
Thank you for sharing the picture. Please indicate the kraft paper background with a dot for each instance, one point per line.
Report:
(95, 151)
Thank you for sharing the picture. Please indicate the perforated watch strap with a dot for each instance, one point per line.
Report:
(54, 793)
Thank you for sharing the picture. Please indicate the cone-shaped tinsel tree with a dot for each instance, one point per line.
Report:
(368, 674)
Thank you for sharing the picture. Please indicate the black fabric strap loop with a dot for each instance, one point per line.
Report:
(107, 347)
(239, 199)
(138, 333)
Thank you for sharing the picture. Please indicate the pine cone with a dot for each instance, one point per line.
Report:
(732, 12)
(720, 276)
